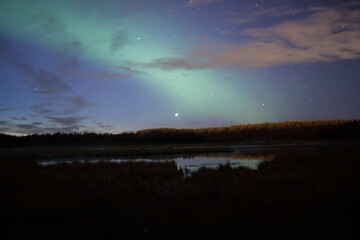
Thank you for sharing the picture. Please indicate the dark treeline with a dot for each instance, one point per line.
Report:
(263, 132)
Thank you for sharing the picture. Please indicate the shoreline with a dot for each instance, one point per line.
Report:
(43, 152)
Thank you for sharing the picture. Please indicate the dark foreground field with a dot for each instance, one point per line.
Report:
(301, 194)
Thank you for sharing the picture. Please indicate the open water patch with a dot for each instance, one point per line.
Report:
(186, 164)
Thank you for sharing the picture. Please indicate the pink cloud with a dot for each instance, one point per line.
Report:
(325, 35)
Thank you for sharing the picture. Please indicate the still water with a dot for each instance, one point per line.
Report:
(186, 164)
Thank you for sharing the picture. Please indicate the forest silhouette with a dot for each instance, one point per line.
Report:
(254, 133)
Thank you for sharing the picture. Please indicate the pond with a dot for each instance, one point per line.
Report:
(186, 164)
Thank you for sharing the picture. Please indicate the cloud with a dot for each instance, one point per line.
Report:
(98, 75)
(7, 53)
(116, 8)
(67, 129)
(3, 122)
(117, 41)
(69, 66)
(80, 102)
(67, 121)
(195, 3)
(4, 109)
(46, 82)
(173, 63)
(31, 126)
(199, 39)
(246, 70)
(237, 17)
(75, 47)
(43, 81)
(49, 124)
(19, 119)
(131, 70)
(40, 92)
(72, 105)
(352, 4)
(41, 108)
(102, 125)
(70, 52)
(325, 35)
(5, 48)
(48, 24)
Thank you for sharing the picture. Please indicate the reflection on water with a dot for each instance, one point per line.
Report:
(190, 165)
(187, 165)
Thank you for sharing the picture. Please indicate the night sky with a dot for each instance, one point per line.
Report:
(126, 65)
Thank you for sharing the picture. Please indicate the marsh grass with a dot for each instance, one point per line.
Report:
(300, 194)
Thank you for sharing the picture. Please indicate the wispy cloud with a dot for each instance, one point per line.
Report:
(80, 102)
(30, 126)
(67, 121)
(195, 3)
(42, 81)
(19, 118)
(47, 23)
(247, 70)
(4, 108)
(69, 105)
(46, 82)
(35, 128)
(118, 40)
(237, 17)
(70, 54)
(45, 124)
(131, 70)
(5, 49)
(98, 74)
(103, 126)
(41, 108)
(352, 4)
(3, 122)
(173, 63)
